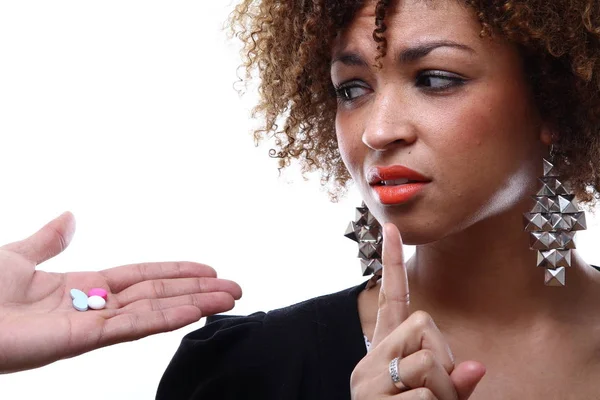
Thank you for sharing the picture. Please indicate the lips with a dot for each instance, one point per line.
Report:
(396, 184)
(378, 175)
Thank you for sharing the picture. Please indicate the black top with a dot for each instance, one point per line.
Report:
(304, 351)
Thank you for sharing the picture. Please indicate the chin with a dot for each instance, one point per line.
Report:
(418, 230)
(421, 222)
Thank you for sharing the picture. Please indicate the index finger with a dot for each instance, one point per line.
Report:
(393, 294)
(120, 278)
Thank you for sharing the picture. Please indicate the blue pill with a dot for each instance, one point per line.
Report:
(80, 300)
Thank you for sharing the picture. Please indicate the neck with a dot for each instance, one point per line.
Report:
(488, 272)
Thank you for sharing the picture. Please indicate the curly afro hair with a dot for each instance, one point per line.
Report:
(288, 43)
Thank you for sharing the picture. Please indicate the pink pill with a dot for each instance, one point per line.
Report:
(98, 292)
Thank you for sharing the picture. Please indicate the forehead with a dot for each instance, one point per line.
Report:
(411, 21)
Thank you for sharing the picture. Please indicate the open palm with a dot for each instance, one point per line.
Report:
(38, 324)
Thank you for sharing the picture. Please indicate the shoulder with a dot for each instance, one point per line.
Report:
(262, 347)
(295, 320)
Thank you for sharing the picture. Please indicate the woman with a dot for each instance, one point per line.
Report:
(441, 112)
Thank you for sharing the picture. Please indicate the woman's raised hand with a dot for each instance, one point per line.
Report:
(38, 324)
(425, 367)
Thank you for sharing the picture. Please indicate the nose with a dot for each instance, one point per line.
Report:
(389, 124)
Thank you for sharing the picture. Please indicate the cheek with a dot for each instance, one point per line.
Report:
(489, 149)
(457, 139)
(496, 129)
(350, 145)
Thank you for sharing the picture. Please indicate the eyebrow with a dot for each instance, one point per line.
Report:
(406, 56)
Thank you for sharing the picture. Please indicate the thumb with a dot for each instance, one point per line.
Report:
(466, 376)
(46, 243)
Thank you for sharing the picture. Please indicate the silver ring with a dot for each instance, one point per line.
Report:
(395, 375)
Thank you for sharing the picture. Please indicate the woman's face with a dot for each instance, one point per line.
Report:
(447, 104)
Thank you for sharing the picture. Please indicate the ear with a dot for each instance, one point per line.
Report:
(548, 133)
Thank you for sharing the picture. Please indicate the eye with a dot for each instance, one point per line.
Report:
(439, 80)
(347, 92)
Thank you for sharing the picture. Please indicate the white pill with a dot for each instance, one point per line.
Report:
(96, 302)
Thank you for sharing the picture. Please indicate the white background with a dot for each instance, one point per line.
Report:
(124, 112)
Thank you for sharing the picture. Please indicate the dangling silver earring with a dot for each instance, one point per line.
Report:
(367, 232)
(552, 224)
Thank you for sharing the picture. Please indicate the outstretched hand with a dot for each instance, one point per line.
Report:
(38, 324)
